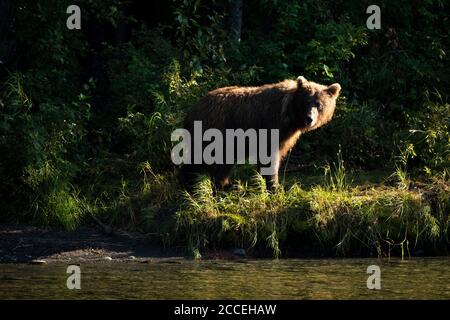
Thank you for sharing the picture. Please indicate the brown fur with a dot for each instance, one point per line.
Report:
(282, 106)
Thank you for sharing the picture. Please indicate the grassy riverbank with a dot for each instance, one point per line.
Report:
(331, 213)
(320, 220)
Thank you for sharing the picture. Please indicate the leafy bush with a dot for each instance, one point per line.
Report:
(430, 136)
(40, 146)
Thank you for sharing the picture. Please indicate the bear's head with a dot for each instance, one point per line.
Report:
(312, 104)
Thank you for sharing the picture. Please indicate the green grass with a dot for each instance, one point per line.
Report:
(346, 222)
(335, 214)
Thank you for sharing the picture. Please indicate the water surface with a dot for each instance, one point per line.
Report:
(425, 278)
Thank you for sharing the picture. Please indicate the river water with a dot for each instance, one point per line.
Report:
(424, 278)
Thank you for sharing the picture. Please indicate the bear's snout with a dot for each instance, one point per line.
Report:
(311, 117)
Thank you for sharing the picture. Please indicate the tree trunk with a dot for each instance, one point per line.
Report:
(235, 19)
(7, 43)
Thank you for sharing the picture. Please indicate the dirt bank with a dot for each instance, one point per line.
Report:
(25, 244)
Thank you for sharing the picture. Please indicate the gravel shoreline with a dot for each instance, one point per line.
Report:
(27, 244)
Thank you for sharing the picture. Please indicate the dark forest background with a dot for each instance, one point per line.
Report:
(86, 115)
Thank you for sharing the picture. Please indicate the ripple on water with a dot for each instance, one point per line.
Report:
(424, 278)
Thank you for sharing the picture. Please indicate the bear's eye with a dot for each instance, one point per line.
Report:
(318, 105)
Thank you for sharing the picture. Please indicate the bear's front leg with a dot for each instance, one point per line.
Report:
(272, 182)
(271, 174)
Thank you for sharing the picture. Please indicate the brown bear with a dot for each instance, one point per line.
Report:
(292, 106)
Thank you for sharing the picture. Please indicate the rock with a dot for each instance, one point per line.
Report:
(170, 261)
(108, 258)
(147, 261)
(239, 252)
(132, 257)
(38, 262)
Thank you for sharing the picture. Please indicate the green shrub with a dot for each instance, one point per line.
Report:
(39, 147)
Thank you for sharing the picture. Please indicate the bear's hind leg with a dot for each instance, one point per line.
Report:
(188, 175)
(221, 176)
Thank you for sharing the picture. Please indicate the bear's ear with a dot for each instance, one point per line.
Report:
(334, 89)
(301, 81)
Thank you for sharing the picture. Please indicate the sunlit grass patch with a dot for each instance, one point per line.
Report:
(345, 222)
